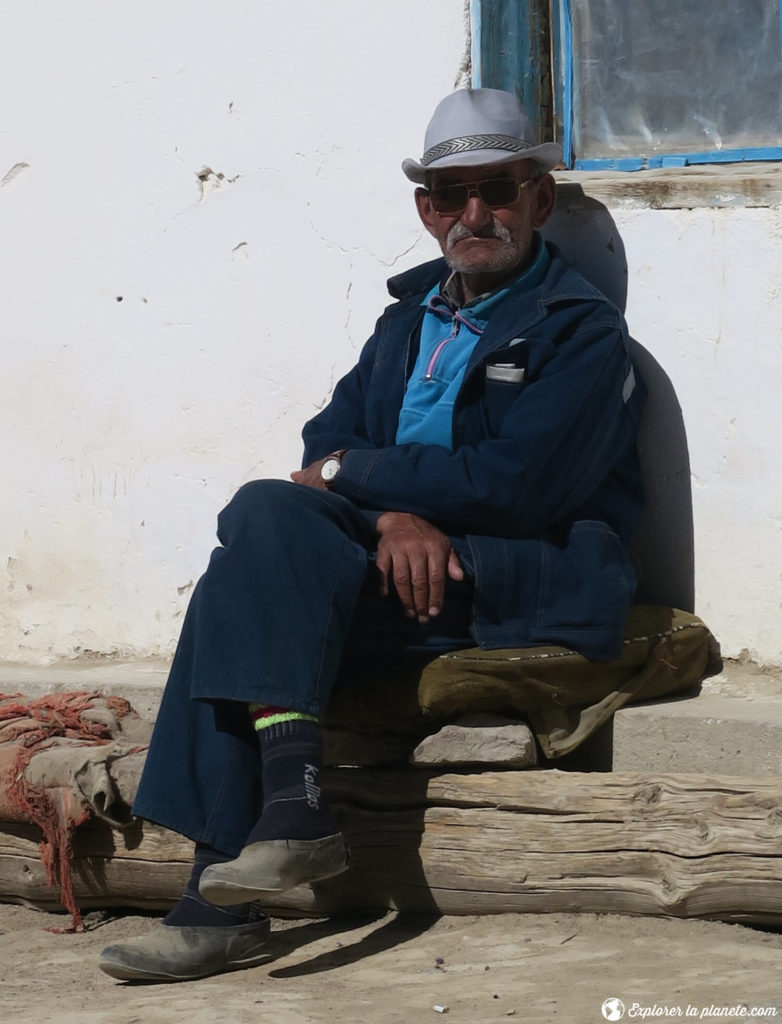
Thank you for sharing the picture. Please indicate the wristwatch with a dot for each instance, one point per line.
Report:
(330, 468)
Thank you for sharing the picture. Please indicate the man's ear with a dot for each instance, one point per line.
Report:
(545, 200)
(425, 210)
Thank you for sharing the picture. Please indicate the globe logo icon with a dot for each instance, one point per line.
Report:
(613, 1009)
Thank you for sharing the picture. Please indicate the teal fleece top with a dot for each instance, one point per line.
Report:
(449, 333)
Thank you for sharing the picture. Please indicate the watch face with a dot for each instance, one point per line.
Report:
(329, 470)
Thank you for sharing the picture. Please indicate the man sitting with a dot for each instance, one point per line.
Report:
(477, 468)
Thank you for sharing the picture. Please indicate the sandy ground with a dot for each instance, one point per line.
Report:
(390, 969)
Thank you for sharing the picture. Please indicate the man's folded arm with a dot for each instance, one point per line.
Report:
(559, 441)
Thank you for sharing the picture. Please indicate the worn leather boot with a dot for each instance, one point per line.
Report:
(273, 865)
(168, 953)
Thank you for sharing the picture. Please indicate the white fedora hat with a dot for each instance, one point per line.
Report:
(473, 127)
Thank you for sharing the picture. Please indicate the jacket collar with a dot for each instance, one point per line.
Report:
(561, 284)
(417, 282)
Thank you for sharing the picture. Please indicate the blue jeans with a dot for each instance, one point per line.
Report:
(284, 599)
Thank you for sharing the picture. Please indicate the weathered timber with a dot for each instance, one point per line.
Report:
(143, 866)
(486, 842)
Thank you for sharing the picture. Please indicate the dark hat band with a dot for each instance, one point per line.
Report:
(469, 143)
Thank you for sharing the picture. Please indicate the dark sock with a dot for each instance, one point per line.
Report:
(293, 804)
(193, 911)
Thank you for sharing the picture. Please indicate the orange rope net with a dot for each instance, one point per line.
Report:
(29, 726)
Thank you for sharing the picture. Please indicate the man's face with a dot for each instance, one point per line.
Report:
(480, 241)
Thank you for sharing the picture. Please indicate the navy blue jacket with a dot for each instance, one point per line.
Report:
(543, 479)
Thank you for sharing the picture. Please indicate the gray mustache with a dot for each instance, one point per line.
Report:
(494, 230)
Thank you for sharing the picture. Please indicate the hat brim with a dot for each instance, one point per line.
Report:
(547, 155)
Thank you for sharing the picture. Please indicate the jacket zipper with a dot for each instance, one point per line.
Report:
(456, 321)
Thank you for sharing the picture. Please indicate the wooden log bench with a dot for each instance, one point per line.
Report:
(475, 839)
(485, 842)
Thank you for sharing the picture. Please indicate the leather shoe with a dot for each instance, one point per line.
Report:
(273, 865)
(168, 953)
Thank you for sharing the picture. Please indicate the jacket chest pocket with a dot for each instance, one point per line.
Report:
(504, 382)
(500, 396)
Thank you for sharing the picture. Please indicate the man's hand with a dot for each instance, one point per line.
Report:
(310, 475)
(418, 558)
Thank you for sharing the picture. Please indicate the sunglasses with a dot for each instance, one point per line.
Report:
(493, 193)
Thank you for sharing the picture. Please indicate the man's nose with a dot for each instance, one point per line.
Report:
(476, 214)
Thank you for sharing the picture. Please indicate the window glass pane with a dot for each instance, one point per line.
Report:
(653, 77)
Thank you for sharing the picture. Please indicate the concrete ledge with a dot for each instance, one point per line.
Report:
(733, 727)
(739, 185)
(140, 682)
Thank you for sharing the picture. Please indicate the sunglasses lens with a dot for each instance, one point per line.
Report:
(499, 192)
(449, 198)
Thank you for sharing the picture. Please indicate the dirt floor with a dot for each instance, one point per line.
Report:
(409, 969)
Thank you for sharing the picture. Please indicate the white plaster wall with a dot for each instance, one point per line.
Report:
(162, 344)
(705, 297)
(702, 295)
(128, 424)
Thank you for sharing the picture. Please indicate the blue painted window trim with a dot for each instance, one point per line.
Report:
(723, 156)
(505, 39)
(510, 48)
(562, 46)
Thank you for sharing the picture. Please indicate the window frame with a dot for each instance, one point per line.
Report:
(538, 40)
